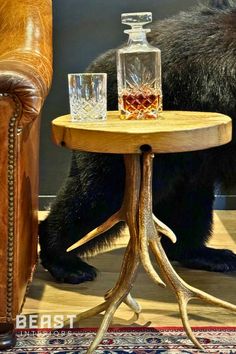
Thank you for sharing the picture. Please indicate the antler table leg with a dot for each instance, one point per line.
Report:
(130, 263)
(149, 235)
(146, 231)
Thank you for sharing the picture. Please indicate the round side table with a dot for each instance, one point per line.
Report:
(174, 131)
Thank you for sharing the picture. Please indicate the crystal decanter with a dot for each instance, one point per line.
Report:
(138, 71)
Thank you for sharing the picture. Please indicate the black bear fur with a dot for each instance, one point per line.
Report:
(199, 73)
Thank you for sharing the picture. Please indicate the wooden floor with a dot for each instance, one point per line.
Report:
(159, 307)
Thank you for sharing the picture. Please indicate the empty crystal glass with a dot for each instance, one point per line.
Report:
(88, 96)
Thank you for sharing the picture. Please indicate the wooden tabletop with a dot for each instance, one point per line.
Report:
(173, 131)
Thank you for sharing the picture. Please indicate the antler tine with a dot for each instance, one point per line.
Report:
(185, 294)
(115, 298)
(114, 219)
(183, 291)
(147, 264)
(120, 295)
(147, 228)
(201, 295)
(132, 303)
(164, 229)
(129, 301)
(183, 302)
(92, 312)
(111, 309)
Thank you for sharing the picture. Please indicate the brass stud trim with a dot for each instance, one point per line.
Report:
(12, 129)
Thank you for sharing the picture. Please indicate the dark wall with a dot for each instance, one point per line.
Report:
(83, 29)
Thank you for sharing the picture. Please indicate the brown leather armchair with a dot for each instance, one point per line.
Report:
(25, 79)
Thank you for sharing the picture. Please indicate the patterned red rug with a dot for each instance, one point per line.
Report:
(141, 340)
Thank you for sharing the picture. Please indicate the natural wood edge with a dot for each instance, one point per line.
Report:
(176, 132)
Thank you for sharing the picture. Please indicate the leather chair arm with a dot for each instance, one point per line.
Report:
(26, 54)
